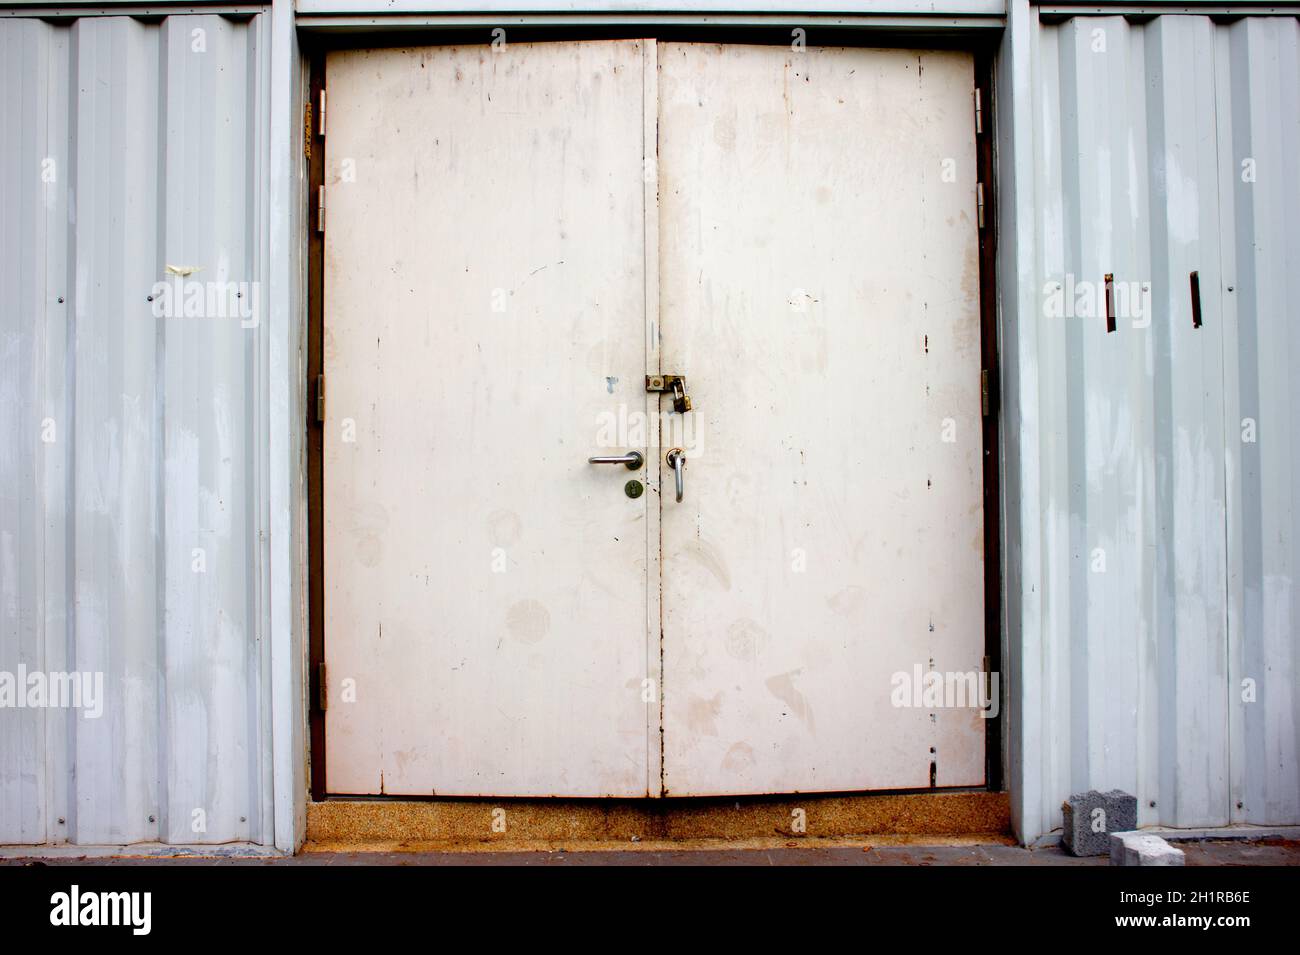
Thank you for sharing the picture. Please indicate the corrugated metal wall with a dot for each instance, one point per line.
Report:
(131, 535)
(1157, 461)
(1167, 465)
(1257, 91)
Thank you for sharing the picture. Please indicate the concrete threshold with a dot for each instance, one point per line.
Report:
(652, 847)
(387, 825)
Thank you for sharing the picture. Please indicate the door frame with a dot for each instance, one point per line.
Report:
(981, 44)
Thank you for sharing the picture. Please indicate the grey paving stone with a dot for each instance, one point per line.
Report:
(1090, 818)
(1139, 848)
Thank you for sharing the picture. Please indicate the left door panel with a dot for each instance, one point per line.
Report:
(484, 312)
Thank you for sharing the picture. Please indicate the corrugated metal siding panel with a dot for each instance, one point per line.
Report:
(1257, 68)
(156, 135)
(24, 71)
(1142, 518)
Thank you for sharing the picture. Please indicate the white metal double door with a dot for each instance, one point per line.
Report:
(515, 240)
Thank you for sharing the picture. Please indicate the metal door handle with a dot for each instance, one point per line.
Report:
(632, 459)
(676, 459)
(1195, 280)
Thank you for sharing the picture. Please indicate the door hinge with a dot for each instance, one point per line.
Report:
(979, 113)
(320, 399)
(321, 697)
(985, 402)
(979, 204)
(321, 121)
(320, 208)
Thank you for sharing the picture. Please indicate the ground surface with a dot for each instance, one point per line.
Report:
(1228, 852)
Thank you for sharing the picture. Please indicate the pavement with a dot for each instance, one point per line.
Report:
(1234, 852)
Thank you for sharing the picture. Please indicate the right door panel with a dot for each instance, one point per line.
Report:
(819, 291)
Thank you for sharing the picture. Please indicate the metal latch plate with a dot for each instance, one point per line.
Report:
(676, 384)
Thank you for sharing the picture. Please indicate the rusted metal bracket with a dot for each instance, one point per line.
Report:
(676, 384)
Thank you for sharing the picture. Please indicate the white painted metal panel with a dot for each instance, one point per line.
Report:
(26, 63)
(135, 436)
(283, 464)
(1132, 441)
(114, 429)
(1257, 73)
(1139, 565)
(820, 291)
(1184, 666)
(485, 587)
(211, 434)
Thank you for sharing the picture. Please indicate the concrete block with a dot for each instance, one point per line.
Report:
(1140, 848)
(1091, 817)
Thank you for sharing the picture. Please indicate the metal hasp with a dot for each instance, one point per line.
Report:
(674, 383)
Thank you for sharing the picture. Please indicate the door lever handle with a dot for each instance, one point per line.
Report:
(676, 459)
(632, 459)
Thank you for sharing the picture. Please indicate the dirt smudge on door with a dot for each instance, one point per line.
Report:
(529, 621)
